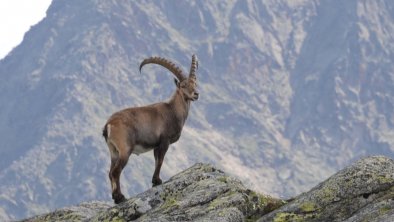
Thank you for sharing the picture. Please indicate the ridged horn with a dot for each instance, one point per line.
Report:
(193, 67)
(166, 64)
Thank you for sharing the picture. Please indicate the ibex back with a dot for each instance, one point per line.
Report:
(141, 129)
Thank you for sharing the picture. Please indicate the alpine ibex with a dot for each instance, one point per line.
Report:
(141, 129)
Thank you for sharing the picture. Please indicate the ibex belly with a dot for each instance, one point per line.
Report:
(138, 149)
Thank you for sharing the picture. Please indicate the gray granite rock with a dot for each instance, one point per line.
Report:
(80, 212)
(200, 193)
(363, 191)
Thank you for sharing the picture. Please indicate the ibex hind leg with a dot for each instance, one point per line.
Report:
(114, 158)
(118, 162)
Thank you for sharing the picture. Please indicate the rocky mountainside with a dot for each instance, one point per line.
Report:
(290, 91)
(363, 191)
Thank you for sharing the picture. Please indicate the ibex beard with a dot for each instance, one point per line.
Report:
(140, 129)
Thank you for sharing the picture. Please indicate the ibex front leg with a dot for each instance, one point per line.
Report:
(159, 154)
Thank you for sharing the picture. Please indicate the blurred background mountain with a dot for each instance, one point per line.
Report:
(290, 92)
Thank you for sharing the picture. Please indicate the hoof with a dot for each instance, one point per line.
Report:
(156, 182)
(118, 198)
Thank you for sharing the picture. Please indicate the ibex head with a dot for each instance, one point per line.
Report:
(186, 85)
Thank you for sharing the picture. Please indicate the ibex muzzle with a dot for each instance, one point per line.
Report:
(141, 129)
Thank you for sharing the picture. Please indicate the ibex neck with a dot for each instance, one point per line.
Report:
(180, 105)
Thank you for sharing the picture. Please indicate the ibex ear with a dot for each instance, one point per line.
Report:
(177, 83)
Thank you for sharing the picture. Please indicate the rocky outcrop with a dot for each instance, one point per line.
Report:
(363, 191)
(80, 212)
(200, 193)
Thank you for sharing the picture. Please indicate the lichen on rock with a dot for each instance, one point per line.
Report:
(361, 192)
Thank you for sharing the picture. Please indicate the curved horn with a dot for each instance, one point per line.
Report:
(193, 67)
(166, 64)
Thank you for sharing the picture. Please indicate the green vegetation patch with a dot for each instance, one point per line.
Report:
(264, 202)
(308, 207)
(327, 195)
(223, 179)
(169, 204)
(383, 179)
(61, 216)
(285, 217)
(260, 205)
(384, 209)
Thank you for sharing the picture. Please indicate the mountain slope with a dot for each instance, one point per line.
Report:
(290, 92)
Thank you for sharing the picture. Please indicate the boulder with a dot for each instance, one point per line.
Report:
(364, 191)
(80, 212)
(200, 193)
